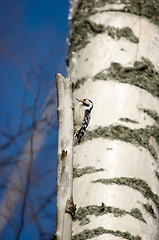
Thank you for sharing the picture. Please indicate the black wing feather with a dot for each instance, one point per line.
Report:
(82, 130)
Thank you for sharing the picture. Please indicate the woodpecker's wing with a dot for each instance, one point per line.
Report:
(82, 130)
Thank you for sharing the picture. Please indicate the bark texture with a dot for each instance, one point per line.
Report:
(65, 206)
(114, 61)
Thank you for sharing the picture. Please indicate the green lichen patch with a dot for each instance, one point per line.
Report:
(138, 137)
(84, 9)
(88, 234)
(138, 184)
(152, 114)
(149, 209)
(82, 31)
(117, 33)
(135, 212)
(157, 174)
(82, 28)
(78, 172)
(148, 9)
(142, 74)
(84, 221)
(83, 213)
(79, 82)
(128, 120)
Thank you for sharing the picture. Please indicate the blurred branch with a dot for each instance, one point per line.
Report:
(34, 62)
(19, 174)
(47, 58)
(13, 138)
(27, 84)
(24, 202)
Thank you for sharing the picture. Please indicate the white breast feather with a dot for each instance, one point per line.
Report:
(79, 117)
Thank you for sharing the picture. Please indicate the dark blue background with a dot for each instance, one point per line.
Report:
(32, 35)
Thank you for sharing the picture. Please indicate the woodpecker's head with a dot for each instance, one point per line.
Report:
(87, 103)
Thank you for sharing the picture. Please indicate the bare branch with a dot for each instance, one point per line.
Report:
(65, 145)
(27, 84)
(19, 174)
(34, 62)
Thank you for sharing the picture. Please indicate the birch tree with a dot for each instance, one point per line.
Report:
(114, 61)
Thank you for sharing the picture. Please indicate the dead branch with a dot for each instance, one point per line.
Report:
(65, 145)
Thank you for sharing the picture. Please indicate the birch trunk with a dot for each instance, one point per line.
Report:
(114, 61)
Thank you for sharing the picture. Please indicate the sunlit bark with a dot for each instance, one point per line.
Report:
(114, 61)
(64, 171)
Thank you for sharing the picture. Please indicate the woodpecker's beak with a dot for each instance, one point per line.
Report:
(82, 101)
(79, 100)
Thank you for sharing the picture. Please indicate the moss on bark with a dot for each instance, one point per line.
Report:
(138, 184)
(83, 212)
(78, 172)
(142, 74)
(90, 233)
(138, 137)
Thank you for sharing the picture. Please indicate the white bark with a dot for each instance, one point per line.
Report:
(114, 100)
(64, 173)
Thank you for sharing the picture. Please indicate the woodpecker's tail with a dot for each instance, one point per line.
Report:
(80, 134)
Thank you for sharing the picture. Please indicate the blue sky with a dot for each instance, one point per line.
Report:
(32, 35)
(29, 26)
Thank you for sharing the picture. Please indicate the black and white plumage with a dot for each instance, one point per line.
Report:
(82, 114)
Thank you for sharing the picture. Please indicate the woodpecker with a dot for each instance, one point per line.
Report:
(82, 114)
